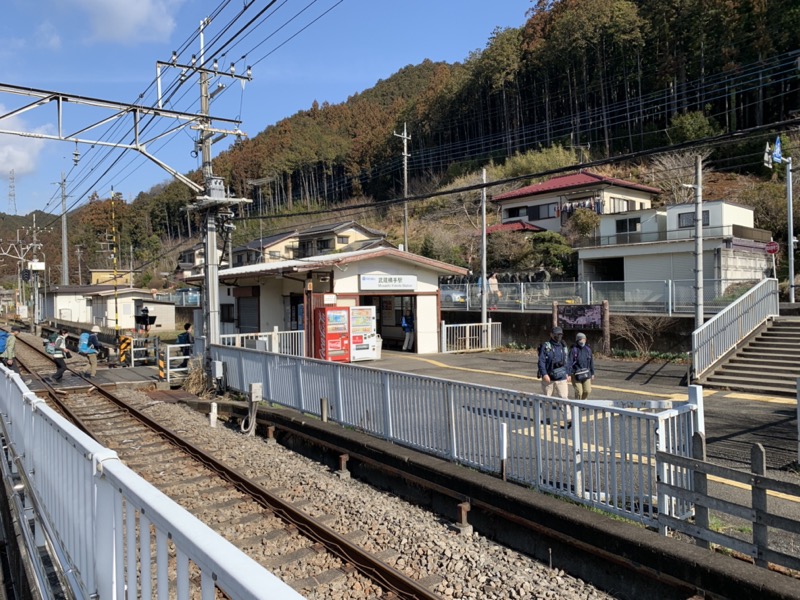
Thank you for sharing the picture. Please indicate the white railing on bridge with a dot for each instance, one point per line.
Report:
(671, 297)
(725, 330)
(112, 534)
(464, 337)
(607, 459)
(292, 342)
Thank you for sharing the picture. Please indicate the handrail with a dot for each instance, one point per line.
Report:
(717, 336)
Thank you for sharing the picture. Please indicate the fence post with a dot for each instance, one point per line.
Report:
(758, 459)
(663, 474)
(696, 398)
(274, 343)
(387, 407)
(669, 297)
(443, 347)
(451, 408)
(700, 484)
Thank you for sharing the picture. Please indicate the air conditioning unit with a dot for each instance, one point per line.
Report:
(324, 278)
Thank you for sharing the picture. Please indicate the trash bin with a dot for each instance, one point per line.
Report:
(378, 347)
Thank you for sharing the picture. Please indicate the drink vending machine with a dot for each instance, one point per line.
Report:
(363, 334)
(332, 333)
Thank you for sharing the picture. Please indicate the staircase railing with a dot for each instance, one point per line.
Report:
(726, 329)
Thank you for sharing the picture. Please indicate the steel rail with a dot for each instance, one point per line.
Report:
(365, 563)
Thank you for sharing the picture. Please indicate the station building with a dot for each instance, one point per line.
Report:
(283, 294)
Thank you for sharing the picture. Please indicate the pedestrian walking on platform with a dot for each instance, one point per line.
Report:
(554, 370)
(581, 367)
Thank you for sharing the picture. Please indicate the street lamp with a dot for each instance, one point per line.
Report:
(777, 156)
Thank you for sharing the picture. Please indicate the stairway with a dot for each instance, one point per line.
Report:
(768, 362)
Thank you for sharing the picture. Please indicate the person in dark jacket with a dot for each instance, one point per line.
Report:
(407, 323)
(553, 369)
(581, 367)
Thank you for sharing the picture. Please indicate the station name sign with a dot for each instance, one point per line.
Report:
(388, 282)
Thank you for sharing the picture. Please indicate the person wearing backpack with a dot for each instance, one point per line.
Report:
(89, 346)
(9, 353)
(186, 338)
(61, 352)
(553, 369)
(581, 367)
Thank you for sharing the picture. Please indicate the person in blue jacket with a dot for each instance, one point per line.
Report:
(553, 370)
(407, 323)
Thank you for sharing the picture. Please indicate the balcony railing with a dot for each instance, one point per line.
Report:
(644, 237)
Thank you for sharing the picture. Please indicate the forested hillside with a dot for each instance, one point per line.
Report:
(586, 79)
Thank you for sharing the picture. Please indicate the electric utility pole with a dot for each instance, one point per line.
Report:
(405, 137)
(777, 156)
(64, 247)
(214, 202)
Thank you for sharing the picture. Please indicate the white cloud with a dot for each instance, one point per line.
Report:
(47, 36)
(19, 153)
(126, 22)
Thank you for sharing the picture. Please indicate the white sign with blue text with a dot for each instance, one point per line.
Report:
(388, 282)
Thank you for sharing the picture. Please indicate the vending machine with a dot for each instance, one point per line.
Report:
(363, 333)
(332, 333)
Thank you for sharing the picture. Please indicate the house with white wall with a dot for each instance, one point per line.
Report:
(548, 205)
(659, 244)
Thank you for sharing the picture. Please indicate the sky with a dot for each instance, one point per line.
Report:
(299, 50)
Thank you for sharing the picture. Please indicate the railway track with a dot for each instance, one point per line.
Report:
(298, 547)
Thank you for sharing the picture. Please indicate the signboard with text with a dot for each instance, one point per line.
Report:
(580, 316)
(388, 282)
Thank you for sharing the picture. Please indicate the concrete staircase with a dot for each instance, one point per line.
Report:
(768, 362)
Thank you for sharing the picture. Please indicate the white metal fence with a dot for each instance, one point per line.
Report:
(725, 330)
(292, 343)
(605, 459)
(470, 336)
(113, 534)
(658, 296)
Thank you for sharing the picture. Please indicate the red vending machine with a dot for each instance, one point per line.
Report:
(332, 333)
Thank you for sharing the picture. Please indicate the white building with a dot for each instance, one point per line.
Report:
(283, 294)
(659, 244)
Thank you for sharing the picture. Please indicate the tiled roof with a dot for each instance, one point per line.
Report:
(514, 226)
(567, 182)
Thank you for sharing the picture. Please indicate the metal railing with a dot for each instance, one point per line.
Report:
(725, 330)
(175, 359)
(606, 459)
(187, 299)
(281, 342)
(658, 296)
(112, 534)
(465, 337)
(687, 233)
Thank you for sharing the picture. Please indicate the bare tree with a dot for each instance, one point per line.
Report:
(641, 332)
(672, 170)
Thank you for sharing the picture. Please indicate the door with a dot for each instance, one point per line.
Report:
(247, 309)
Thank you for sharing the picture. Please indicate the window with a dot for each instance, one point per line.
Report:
(617, 205)
(687, 219)
(238, 259)
(274, 254)
(542, 211)
(226, 313)
(515, 212)
(629, 225)
(343, 239)
(323, 245)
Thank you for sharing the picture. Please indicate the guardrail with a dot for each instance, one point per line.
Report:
(658, 296)
(725, 330)
(607, 459)
(113, 535)
(466, 337)
(292, 342)
(761, 519)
